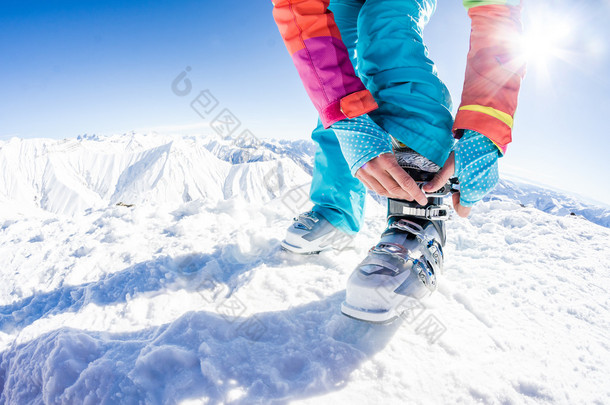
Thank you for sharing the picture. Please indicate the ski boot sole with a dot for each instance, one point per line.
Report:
(380, 317)
(301, 251)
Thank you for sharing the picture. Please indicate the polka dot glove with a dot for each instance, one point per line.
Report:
(361, 140)
(476, 167)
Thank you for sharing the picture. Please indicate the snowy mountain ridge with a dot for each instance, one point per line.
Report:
(74, 175)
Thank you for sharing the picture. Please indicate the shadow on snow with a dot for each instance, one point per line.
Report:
(271, 357)
(304, 351)
(190, 272)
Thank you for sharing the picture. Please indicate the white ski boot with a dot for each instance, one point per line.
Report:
(310, 233)
(403, 266)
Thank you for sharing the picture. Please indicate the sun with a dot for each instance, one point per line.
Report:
(546, 39)
(560, 38)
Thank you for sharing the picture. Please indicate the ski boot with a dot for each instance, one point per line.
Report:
(310, 233)
(403, 267)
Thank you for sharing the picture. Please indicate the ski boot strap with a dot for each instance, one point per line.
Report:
(432, 212)
(435, 210)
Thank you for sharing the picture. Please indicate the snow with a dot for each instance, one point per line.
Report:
(548, 200)
(186, 296)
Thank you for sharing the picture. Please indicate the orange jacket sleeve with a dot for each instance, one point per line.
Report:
(314, 43)
(494, 71)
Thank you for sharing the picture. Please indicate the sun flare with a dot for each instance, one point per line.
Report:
(544, 41)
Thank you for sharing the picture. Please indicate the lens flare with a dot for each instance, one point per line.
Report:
(554, 37)
(544, 41)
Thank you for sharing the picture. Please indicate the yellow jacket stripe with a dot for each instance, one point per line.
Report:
(501, 115)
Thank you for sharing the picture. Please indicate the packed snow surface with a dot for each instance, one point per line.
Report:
(147, 269)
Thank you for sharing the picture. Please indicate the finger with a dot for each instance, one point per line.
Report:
(360, 177)
(394, 189)
(373, 184)
(459, 208)
(441, 178)
(386, 179)
(377, 171)
(366, 184)
(407, 184)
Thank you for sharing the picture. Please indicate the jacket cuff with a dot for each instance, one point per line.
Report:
(351, 106)
(494, 128)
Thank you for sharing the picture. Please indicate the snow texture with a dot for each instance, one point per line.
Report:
(181, 293)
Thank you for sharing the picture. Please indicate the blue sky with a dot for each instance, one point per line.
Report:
(69, 68)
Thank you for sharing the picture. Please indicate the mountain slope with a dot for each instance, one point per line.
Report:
(70, 176)
(550, 201)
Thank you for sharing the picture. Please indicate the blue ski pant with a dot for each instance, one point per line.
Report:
(385, 44)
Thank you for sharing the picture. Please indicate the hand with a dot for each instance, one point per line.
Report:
(475, 163)
(441, 178)
(384, 176)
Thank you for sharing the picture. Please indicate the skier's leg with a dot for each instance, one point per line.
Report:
(415, 109)
(414, 104)
(337, 196)
(404, 265)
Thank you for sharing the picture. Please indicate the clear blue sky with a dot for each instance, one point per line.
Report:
(75, 67)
